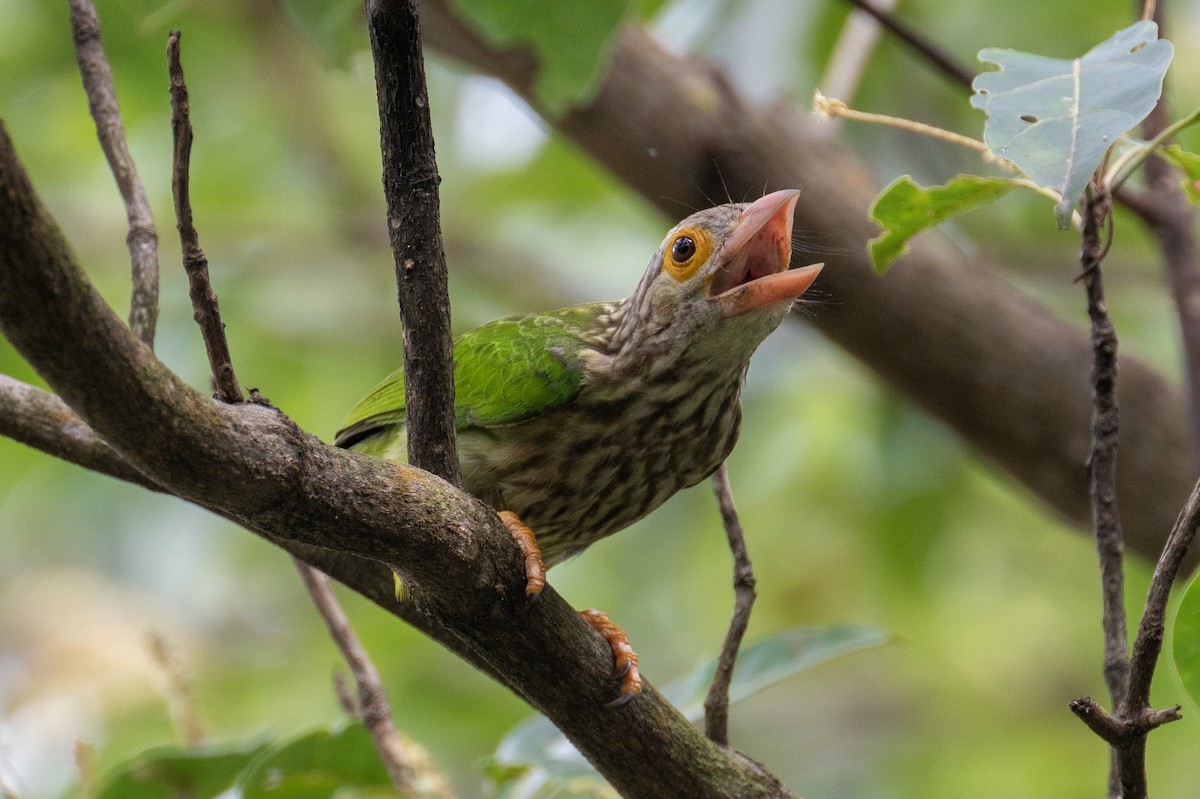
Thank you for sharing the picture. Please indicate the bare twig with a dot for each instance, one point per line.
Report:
(372, 705)
(1148, 643)
(716, 704)
(1106, 523)
(1105, 424)
(410, 184)
(204, 299)
(947, 64)
(142, 238)
(178, 690)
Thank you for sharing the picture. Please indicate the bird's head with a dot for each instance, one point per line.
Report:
(719, 281)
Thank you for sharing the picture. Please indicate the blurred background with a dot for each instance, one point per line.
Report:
(858, 508)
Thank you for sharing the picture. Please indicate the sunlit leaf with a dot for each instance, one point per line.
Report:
(1055, 118)
(904, 209)
(535, 757)
(169, 772)
(1186, 639)
(1189, 164)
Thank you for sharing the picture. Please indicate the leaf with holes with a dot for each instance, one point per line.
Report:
(904, 209)
(1055, 119)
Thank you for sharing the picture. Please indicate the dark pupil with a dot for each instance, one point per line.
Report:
(683, 249)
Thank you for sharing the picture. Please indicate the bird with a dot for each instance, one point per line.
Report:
(575, 423)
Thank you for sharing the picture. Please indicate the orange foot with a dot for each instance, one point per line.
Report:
(535, 571)
(625, 660)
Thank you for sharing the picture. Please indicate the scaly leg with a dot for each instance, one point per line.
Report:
(535, 571)
(625, 660)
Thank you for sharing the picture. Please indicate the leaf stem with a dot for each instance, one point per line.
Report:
(1131, 159)
(833, 108)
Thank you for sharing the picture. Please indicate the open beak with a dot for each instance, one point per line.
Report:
(755, 273)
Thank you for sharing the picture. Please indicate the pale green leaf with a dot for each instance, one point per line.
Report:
(1055, 118)
(1185, 647)
(536, 760)
(904, 209)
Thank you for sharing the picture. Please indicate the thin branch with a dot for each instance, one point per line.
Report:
(947, 64)
(1148, 644)
(1110, 541)
(716, 704)
(204, 299)
(372, 706)
(142, 238)
(410, 184)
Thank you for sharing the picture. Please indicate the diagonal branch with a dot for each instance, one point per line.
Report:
(142, 239)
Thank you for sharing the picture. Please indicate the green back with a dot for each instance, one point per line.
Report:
(505, 372)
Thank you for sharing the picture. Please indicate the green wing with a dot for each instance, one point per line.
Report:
(505, 372)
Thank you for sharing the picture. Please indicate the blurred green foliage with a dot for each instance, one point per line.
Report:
(858, 508)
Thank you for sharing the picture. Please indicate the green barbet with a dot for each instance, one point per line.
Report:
(576, 423)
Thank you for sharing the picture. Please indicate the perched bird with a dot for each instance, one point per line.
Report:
(574, 424)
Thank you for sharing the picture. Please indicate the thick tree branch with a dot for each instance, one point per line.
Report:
(952, 334)
(352, 516)
(142, 239)
(410, 185)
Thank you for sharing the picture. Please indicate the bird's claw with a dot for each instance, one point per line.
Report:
(535, 570)
(625, 660)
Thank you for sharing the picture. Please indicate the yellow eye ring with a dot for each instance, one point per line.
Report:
(685, 252)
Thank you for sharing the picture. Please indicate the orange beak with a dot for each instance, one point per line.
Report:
(756, 272)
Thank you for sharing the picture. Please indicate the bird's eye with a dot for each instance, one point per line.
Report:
(687, 250)
(683, 249)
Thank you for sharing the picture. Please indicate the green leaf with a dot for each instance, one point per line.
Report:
(169, 772)
(1185, 646)
(536, 760)
(904, 209)
(1189, 164)
(1055, 118)
(572, 40)
(318, 765)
